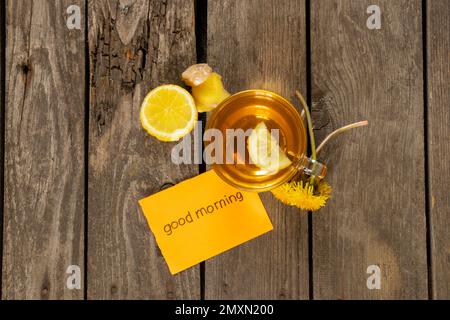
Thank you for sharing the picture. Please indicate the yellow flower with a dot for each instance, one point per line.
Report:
(302, 194)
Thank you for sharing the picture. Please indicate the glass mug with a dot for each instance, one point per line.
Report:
(244, 111)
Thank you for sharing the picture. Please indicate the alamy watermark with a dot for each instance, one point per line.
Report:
(374, 21)
(74, 19)
(220, 148)
(74, 279)
(374, 280)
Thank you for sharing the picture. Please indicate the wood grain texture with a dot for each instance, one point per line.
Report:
(438, 27)
(377, 214)
(2, 108)
(261, 45)
(134, 47)
(44, 147)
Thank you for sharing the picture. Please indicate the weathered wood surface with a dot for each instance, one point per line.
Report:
(44, 147)
(377, 214)
(438, 28)
(261, 44)
(2, 108)
(134, 47)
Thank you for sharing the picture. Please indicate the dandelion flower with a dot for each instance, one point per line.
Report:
(303, 195)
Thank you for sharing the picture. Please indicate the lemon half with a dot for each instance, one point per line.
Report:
(168, 113)
(264, 150)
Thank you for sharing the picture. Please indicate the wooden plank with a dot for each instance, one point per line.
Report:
(44, 164)
(377, 214)
(134, 47)
(261, 44)
(438, 17)
(2, 108)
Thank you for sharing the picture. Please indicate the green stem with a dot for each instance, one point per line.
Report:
(303, 115)
(339, 131)
(310, 126)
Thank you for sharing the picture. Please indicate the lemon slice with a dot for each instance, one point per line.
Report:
(168, 113)
(264, 150)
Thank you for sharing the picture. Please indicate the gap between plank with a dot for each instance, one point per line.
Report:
(309, 101)
(426, 162)
(201, 39)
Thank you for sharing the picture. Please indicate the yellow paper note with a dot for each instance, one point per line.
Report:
(201, 218)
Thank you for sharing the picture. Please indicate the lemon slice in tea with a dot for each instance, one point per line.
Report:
(264, 150)
(168, 113)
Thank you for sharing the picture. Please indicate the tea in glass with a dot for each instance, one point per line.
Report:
(245, 111)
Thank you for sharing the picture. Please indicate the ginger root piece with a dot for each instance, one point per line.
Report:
(207, 87)
(196, 74)
(210, 93)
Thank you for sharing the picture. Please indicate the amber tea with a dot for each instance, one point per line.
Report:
(242, 113)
